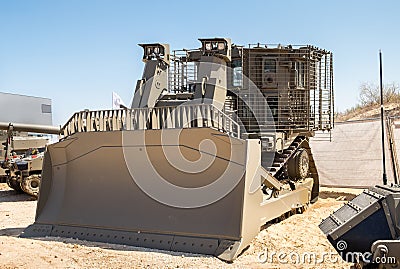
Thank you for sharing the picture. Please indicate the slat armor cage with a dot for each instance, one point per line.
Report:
(296, 80)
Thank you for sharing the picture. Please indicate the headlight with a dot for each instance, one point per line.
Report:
(157, 50)
(208, 46)
(221, 46)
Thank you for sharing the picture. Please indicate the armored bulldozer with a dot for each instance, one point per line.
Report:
(21, 166)
(215, 145)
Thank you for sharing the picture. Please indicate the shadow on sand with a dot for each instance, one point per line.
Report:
(342, 196)
(14, 196)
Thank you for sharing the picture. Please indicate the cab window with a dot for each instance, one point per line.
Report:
(269, 66)
(236, 73)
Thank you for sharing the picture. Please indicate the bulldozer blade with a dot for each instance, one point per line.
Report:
(193, 190)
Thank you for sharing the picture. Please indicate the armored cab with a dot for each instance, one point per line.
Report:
(280, 95)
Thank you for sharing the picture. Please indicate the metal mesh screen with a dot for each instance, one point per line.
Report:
(297, 83)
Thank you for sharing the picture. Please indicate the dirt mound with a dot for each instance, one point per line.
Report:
(368, 112)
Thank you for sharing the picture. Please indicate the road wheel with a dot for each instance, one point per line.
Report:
(299, 165)
(30, 185)
(14, 184)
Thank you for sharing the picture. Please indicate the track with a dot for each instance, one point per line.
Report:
(280, 163)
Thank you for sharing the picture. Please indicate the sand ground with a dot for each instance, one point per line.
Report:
(295, 237)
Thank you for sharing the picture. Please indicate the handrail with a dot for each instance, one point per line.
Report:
(184, 116)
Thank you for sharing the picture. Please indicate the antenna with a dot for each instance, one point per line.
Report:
(382, 123)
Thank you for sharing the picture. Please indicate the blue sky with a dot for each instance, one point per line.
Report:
(78, 52)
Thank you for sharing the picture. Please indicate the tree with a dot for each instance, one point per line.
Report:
(370, 93)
